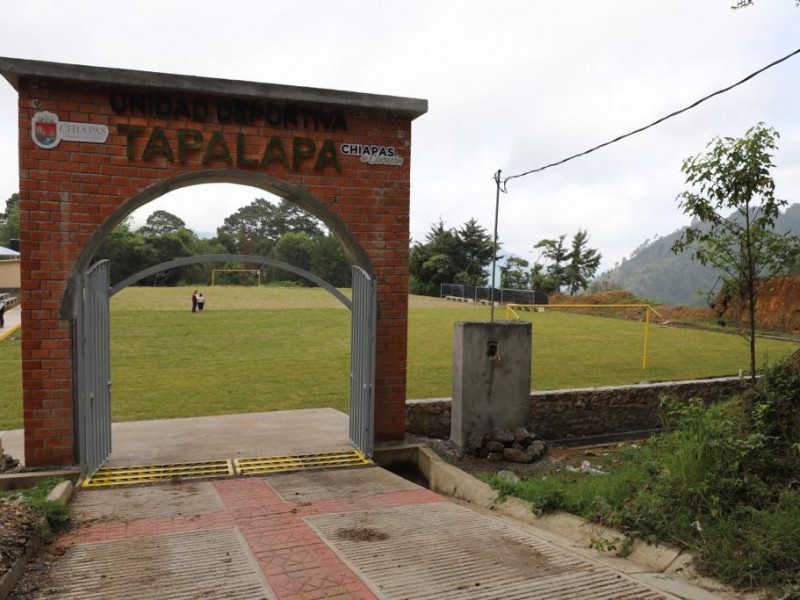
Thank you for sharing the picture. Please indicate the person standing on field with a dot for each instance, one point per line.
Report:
(201, 302)
(2, 314)
(194, 301)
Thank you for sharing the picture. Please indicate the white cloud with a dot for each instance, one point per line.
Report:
(511, 85)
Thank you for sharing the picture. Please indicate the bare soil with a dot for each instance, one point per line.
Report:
(603, 457)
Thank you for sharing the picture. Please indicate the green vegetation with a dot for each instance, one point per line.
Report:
(57, 514)
(450, 255)
(723, 484)
(278, 348)
(734, 175)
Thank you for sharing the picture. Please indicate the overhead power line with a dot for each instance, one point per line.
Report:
(505, 181)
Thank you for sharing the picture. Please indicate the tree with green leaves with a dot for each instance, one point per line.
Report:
(297, 249)
(161, 222)
(733, 176)
(257, 227)
(551, 276)
(571, 268)
(582, 265)
(9, 221)
(450, 255)
(515, 274)
(329, 262)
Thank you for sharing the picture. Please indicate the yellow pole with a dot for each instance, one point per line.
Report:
(646, 334)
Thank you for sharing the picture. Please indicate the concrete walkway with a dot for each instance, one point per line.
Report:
(351, 533)
(340, 533)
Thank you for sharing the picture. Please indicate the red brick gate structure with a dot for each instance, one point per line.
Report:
(95, 144)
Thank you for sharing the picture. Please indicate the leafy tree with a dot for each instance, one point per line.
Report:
(432, 263)
(475, 251)
(565, 268)
(162, 222)
(542, 281)
(297, 249)
(514, 274)
(734, 175)
(257, 227)
(450, 256)
(583, 263)
(128, 252)
(9, 221)
(329, 262)
(166, 247)
(551, 277)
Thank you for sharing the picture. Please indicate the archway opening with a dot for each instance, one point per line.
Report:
(277, 345)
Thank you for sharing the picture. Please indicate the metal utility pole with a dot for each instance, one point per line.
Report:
(494, 249)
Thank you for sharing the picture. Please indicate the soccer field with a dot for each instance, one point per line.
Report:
(260, 349)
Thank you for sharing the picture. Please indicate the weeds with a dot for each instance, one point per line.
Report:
(722, 482)
(57, 514)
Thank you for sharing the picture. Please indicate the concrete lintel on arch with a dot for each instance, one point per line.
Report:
(14, 68)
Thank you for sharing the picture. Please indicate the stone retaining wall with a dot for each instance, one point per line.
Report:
(584, 412)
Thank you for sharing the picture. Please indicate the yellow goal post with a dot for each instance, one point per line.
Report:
(514, 309)
(254, 272)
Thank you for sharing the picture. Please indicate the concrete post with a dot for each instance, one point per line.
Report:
(491, 378)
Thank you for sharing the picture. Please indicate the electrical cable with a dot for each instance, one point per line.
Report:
(504, 183)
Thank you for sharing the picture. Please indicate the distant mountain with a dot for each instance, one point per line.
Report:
(654, 272)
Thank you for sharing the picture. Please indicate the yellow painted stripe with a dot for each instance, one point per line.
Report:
(118, 476)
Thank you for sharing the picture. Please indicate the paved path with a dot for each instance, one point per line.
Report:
(351, 533)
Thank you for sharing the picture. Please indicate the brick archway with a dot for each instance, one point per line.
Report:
(95, 143)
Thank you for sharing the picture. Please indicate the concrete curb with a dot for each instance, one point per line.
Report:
(450, 481)
(61, 493)
(661, 566)
(8, 331)
(28, 479)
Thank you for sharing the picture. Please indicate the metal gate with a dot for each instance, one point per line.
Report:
(362, 362)
(93, 373)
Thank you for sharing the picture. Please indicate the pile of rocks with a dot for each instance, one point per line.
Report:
(8, 464)
(519, 445)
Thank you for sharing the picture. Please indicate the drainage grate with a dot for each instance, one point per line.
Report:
(111, 476)
(279, 464)
(116, 476)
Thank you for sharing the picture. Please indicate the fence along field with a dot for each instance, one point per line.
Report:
(260, 349)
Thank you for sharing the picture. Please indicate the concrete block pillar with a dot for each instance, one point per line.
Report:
(491, 377)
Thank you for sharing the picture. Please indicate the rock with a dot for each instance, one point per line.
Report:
(508, 476)
(474, 446)
(493, 446)
(523, 436)
(517, 456)
(539, 445)
(504, 436)
(494, 456)
(537, 449)
(8, 464)
(519, 447)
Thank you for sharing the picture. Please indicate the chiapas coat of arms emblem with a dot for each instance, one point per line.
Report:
(44, 129)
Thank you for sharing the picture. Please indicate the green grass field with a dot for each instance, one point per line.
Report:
(258, 349)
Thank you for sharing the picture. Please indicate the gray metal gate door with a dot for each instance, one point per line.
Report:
(362, 362)
(94, 370)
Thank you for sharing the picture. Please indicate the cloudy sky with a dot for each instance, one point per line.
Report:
(510, 85)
